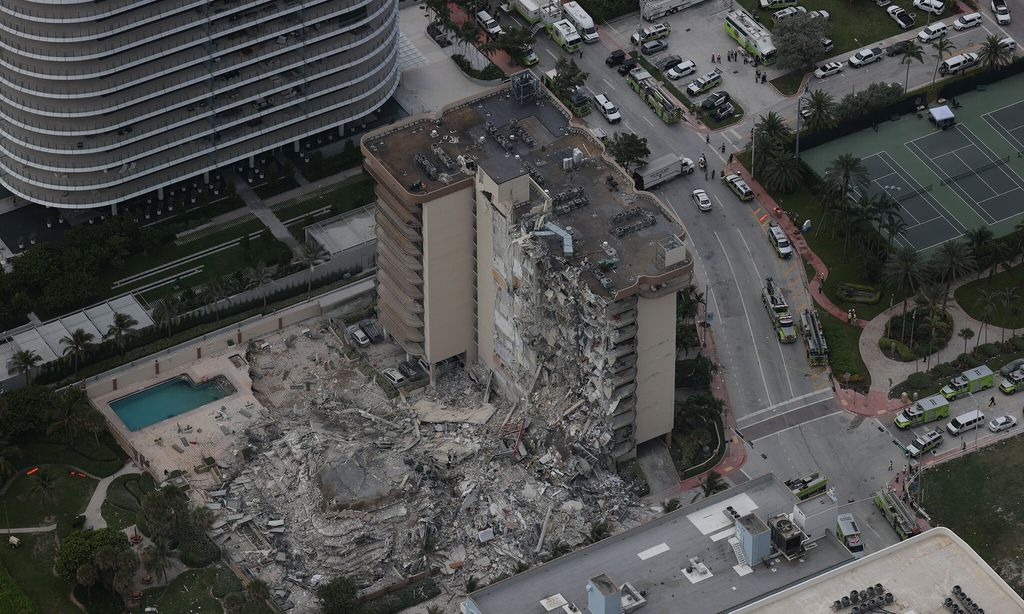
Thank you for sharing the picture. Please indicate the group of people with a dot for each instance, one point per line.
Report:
(734, 56)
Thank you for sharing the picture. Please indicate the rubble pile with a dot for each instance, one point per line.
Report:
(341, 480)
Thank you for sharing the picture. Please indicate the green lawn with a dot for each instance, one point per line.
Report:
(100, 459)
(124, 498)
(70, 496)
(789, 83)
(853, 24)
(347, 195)
(979, 497)
(189, 592)
(967, 296)
(843, 349)
(31, 566)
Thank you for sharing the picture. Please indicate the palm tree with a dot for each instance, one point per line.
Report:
(472, 583)
(43, 487)
(8, 452)
(911, 52)
(904, 272)
(986, 301)
(894, 225)
(214, 294)
(712, 484)
(966, 334)
(1008, 298)
(87, 575)
(771, 134)
(258, 275)
(821, 107)
(77, 344)
(951, 261)
(166, 311)
(559, 548)
(993, 54)
(120, 329)
(782, 172)
(598, 531)
(670, 505)
(428, 549)
(24, 361)
(943, 48)
(68, 416)
(157, 558)
(467, 33)
(846, 172)
(309, 254)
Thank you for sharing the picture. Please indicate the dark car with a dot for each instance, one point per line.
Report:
(724, 112)
(667, 62)
(615, 58)
(716, 99)
(410, 370)
(627, 65)
(652, 47)
(896, 48)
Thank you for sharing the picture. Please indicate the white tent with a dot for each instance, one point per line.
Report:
(942, 116)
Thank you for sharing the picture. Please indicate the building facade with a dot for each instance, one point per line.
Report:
(507, 237)
(102, 102)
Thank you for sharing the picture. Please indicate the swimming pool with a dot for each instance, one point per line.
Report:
(168, 399)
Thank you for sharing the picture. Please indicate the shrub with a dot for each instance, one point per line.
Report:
(491, 73)
(1017, 343)
(859, 293)
(919, 381)
(694, 373)
(895, 350)
(196, 550)
(630, 471)
(946, 370)
(986, 351)
(966, 361)
(12, 598)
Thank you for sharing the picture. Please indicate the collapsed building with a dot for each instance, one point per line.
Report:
(508, 239)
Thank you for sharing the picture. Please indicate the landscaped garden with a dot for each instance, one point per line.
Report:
(998, 300)
(994, 355)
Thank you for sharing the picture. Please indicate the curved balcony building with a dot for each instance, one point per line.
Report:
(101, 102)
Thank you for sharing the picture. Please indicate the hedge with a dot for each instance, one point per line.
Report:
(195, 549)
(859, 293)
(12, 599)
(491, 73)
(896, 350)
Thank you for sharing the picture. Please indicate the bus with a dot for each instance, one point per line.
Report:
(581, 20)
(849, 534)
(751, 35)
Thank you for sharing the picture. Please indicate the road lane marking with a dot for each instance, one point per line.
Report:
(746, 315)
(796, 426)
(552, 54)
(784, 403)
(609, 83)
(648, 122)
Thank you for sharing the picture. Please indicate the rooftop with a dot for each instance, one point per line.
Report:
(625, 235)
(919, 572)
(653, 558)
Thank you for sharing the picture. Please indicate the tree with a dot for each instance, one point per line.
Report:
(981, 241)
(337, 596)
(8, 452)
(43, 486)
(559, 548)
(79, 547)
(598, 531)
(120, 329)
(309, 254)
(871, 98)
(202, 518)
(904, 272)
(966, 334)
(782, 172)
(87, 575)
(568, 77)
(156, 558)
(912, 51)
(951, 261)
(77, 344)
(798, 40)
(670, 505)
(472, 583)
(845, 173)
(512, 41)
(771, 135)
(257, 590)
(467, 33)
(258, 276)
(992, 54)
(628, 149)
(821, 108)
(1009, 299)
(24, 361)
(943, 48)
(214, 293)
(711, 484)
(70, 412)
(894, 225)
(166, 312)
(986, 301)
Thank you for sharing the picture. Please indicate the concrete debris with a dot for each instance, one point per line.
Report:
(333, 478)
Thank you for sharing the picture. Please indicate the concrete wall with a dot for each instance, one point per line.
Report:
(655, 366)
(448, 268)
(486, 280)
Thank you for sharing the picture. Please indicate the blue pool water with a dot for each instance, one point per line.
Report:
(168, 399)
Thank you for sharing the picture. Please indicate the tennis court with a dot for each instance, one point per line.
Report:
(946, 182)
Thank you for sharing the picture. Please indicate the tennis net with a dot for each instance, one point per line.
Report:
(917, 192)
(980, 169)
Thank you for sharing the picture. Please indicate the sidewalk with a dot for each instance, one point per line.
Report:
(93, 516)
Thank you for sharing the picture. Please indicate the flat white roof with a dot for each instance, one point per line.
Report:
(920, 573)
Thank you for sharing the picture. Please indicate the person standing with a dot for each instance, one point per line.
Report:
(991, 401)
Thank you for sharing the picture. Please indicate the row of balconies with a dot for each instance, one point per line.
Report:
(90, 11)
(67, 154)
(345, 110)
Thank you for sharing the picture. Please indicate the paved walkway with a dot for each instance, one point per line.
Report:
(260, 209)
(93, 517)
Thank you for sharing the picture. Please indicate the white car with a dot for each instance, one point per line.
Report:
(787, 12)
(393, 375)
(935, 7)
(901, 17)
(700, 198)
(819, 14)
(829, 69)
(358, 336)
(1002, 423)
(680, 70)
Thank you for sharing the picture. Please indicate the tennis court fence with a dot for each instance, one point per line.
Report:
(980, 169)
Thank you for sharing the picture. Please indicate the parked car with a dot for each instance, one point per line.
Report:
(1002, 423)
(665, 62)
(902, 18)
(704, 82)
(358, 336)
(1011, 366)
(627, 65)
(724, 112)
(615, 58)
(1002, 12)
(935, 7)
(865, 57)
(393, 375)
(701, 199)
(410, 369)
(971, 20)
(652, 47)
(372, 331)
(829, 69)
(819, 15)
(896, 48)
(716, 99)
(786, 13)
(680, 70)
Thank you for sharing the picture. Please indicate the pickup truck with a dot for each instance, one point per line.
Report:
(866, 56)
(1002, 12)
(904, 19)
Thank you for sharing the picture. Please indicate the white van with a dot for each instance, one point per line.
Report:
(965, 422)
(957, 63)
(777, 237)
(605, 106)
(488, 24)
(932, 32)
(777, 4)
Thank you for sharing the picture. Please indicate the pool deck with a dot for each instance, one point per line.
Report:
(201, 427)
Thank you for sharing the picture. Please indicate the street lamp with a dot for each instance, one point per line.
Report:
(799, 116)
